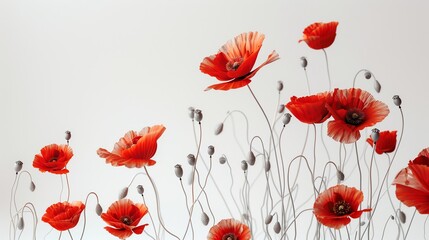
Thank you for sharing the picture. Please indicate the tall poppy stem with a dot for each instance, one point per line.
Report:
(327, 69)
(84, 211)
(360, 184)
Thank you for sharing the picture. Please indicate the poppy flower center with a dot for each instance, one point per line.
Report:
(229, 236)
(355, 117)
(136, 139)
(341, 208)
(126, 220)
(233, 64)
(55, 156)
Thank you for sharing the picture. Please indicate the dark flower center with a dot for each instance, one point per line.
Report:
(229, 236)
(355, 117)
(234, 64)
(341, 208)
(55, 156)
(136, 139)
(126, 220)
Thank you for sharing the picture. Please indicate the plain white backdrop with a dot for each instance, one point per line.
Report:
(101, 68)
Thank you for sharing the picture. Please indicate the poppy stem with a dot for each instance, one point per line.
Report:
(327, 69)
(360, 185)
(84, 211)
(189, 213)
(151, 218)
(68, 187)
(370, 189)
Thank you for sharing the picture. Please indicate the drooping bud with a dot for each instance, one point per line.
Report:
(286, 118)
(267, 166)
(397, 100)
(198, 115)
(21, 223)
(279, 86)
(18, 166)
(178, 170)
(205, 218)
(268, 219)
(251, 158)
(67, 135)
(210, 150)
(222, 160)
(123, 193)
(340, 175)
(140, 189)
(191, 112)
(277, 227)
(219, 129)
(98, 209)
(367, 74)
(244, 165)
(304, 62)
(191, 159)
(281, 108)
(32, 186)
(377, 86)
(402, 216)
(375, 134)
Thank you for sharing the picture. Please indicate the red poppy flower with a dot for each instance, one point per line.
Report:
(134, 149)
(353, 110)
(386, 142)
(234, 62)
(229, 229)
(63, 215)
(412, 183)
(309, 109)
(124, 216)
(335, 206)
(320, 35)
(53, 158)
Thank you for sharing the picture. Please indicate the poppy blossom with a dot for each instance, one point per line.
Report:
(335, 206)
(53, 158)
(353, 110)
(63, 215)
(134, 149)
(229, 229)
(386, 142)
(412, 183)
(234, 62)
(123, 216)
(320, 35)
(309, 109)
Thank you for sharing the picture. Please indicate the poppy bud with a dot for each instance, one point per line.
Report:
(68, 135)
(377, 86)
(279, 86)
(268, 219)
(244, 165)
(392, 217)
(362, 223)
(277, 227)
(267, 166)
(245, 216)
(375, 134)
(367, 74)
(222, 160)
(178, 170)
(191, 112)
(18, 166)
(21, 223)
(304, 62)
(198, 115)
(402, 216)
(281, 108)
(98, 209)
(205, 219)
(397, 100)
(210, 150)
(32, 186)
(191, 159)
(251, 158)
(340, 175)
(123, 193)
(140, 189)
(286, 118)
(219, 129)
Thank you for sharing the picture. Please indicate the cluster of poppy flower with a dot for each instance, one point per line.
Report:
(351, 110)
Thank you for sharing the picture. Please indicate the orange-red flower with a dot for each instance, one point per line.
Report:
(412, 183)
(123, 216)
(309, 109)
(320, 35)
(353, 110)
(234, 62)
(63, 215)
(134, 149)
(335, 206)
(53, 158)
(229, 229)
(386, 142)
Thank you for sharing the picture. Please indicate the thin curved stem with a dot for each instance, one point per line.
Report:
(327, 69)
(84, 211)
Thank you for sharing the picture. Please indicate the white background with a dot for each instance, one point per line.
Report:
(101, 68)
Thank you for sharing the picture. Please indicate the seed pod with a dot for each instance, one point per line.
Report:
(32, 186)
(18, 166)
(375, 134)
(123, 193)
(367, 74)
(267, 166)
(205, 218)
(377, 86)
(98, 209)
(67, 135)
(21, 223)
(251, 159)
(304, 62)
(279, 86)
(191, 159)
(281, 108)
(191, 112)
(402, 216)
(245, 216)
(140, 189)
(210, 150)
(340, 175)
(198, 115)
(218, 129)
(178, 170)
(268, 219)
(397, 100)
(244, 165)
(277, 227)
(222, 160)
(286, 118)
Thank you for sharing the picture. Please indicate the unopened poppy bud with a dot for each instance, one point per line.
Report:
(375, 134)
(281, 108)
(362, 223)
(210, 150)
(32, 186)
(251, 158)
(205, 219)
(18, 166)
(268, 219)
(198, 115)
(219, 129)
(178, 170)
(244, 165)
(377, 86)
(140, 189)
(123, 193)
(67, 135)
(21, 223)
(402, 216)
(191, 159)
(277, 227)
(286, 118)
(267, 166)
(340, 175)
(279, 86)
(98, 209)
(397, 100)
(304, 62)
(367, 74)
(222, 160)
(191, 112)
